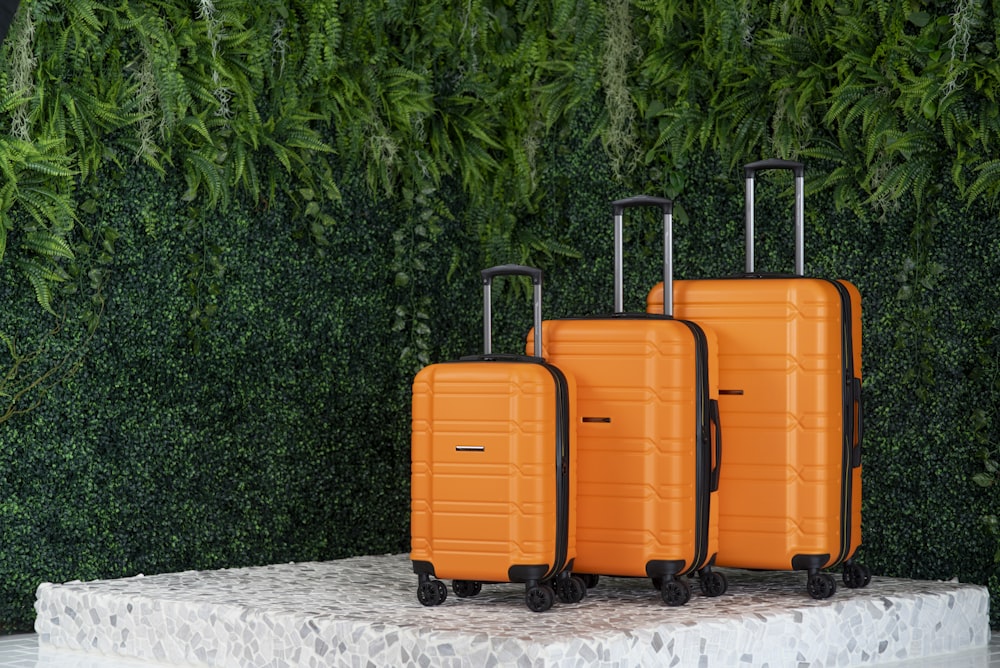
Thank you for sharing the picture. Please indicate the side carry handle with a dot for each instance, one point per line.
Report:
(750, 172)
(511, 270)
(717, 421)
(618, 209)
(859, 431)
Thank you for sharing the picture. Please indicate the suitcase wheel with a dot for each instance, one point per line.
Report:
(675, 592)
(432, 592)
(539, 597)
(856, 575)
(821, 585)
(712, 583)
(571, 589)
(466, 588)
(590, 580)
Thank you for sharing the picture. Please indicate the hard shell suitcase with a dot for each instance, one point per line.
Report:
(790, 397)
(493, 468)
(649, 438)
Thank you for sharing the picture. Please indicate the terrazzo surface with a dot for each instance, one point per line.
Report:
(22, 651)
(364, 611)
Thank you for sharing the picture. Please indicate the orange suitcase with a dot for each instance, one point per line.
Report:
(493, 461)
(649, 439)
(790, 398)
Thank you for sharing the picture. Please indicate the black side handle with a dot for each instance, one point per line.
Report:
(715, 418)
(512, 270)
(856, 450)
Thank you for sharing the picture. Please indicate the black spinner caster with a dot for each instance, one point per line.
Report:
(431, 592)
(466, 588)
(821, 585)
(856, 575)
(675, 592)
(571, 589)
(712, 583)
(539, 597)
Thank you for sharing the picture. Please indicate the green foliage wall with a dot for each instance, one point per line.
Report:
(232, 232)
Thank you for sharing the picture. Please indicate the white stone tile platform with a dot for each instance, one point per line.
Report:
(364, 612)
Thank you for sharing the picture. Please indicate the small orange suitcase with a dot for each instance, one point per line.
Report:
(492, 478)
(649, 438)
(790, 397)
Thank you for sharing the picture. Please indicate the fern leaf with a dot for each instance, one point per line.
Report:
(37, 277)
(988, 181)
(47, 244)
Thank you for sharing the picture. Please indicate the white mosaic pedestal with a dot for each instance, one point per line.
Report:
(364, 612)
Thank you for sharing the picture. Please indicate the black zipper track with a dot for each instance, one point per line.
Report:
(847, 485)
(562, 470)
(703, 448)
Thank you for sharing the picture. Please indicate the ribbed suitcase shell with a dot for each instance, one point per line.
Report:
(790, 487)
(489, 502)
(645, 445)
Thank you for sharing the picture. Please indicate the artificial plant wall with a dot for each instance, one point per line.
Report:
(232, 231)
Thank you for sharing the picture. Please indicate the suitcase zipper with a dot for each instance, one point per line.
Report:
(703, 446)
(847, 467)
(562, 470)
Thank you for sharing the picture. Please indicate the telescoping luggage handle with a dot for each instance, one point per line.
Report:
(667, 206)
(511, 270)
(750, 172)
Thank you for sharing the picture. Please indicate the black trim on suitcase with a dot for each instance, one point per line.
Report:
(809, 562)
(665, 568)
(851, 454)
(703, 437)
(563, 491)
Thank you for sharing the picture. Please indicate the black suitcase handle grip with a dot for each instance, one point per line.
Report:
(620, 205)
(511, 270)
(774, 163)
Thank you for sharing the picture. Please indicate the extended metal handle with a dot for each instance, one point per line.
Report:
(618, 208)
(511, 270)
(750, 171)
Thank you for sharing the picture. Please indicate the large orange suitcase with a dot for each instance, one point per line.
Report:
(493, 463)
(790, 399)
(649, 439)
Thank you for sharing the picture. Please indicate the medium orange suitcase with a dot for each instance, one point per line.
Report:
(492, 471)
(790, 398)
(649, 438)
